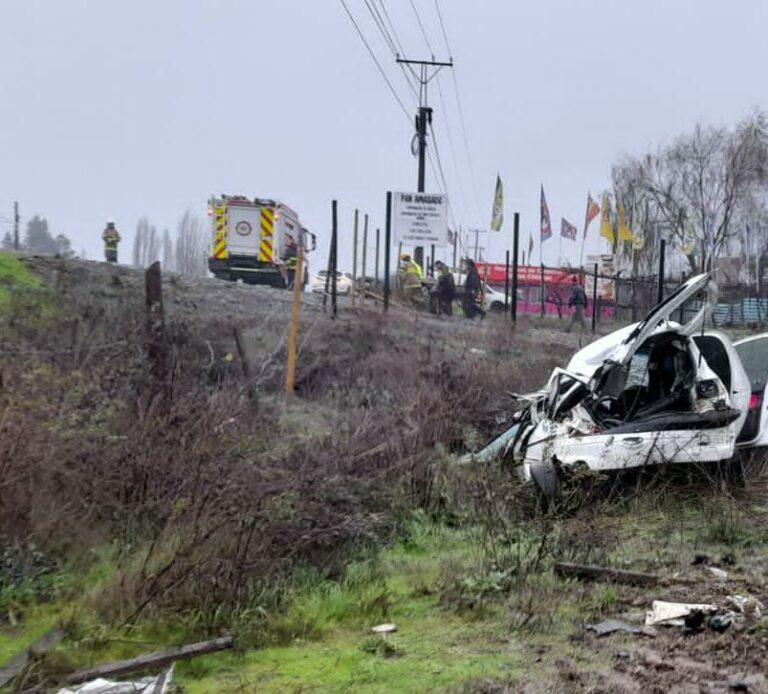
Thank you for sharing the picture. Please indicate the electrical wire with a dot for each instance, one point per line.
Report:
(421, 26)
(392, 29)
(376, 61)
(461, 112)
(374, 12)
(442, 174)
(400, 51)
(392, 43)
(442, 27)
(452, 147)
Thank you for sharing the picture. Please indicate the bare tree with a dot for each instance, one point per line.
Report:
(693, 192)
(192, 241)
(146, 244)
(138, 244)
(152, 249)
(168, 260)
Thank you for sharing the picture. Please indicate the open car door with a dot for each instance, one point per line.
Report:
(612, 377)
(663, 312)
(722, 357)
(753, 353)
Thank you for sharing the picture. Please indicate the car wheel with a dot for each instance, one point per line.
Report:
(545, 477)
(497, 307)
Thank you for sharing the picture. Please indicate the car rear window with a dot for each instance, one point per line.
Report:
(754, 357)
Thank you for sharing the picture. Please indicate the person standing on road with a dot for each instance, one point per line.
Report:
(290, 258)
(578, 302)
(111, 238)
(445, 289)
(473, 289)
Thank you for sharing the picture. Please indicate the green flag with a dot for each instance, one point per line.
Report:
(497, 218)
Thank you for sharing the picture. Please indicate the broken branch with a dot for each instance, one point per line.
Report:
(151, 660)
(599, 573)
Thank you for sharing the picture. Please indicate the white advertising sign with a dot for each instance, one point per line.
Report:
(420, 219)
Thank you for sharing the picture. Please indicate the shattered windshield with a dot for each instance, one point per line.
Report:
(638, 370)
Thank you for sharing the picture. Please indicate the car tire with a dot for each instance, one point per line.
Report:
(546, 481)
(497, 307)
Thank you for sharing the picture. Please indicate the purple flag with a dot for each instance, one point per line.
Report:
(568, 230)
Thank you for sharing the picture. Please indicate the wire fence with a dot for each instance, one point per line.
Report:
(619, 299)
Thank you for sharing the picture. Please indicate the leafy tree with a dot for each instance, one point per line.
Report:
(38, 239)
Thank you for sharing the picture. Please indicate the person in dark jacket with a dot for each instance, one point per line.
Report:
(578, 302)
(473, 289)
(445, 289)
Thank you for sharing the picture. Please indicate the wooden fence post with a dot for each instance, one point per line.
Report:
(157, 351)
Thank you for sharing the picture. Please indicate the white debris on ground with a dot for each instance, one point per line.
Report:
(147, 685)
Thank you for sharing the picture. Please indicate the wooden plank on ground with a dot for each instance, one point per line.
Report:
(599, 573)
(150, 660)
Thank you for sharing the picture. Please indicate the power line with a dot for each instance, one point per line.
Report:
(421, 26)
(401, 50)
(452, 147)
(442, 173)
(375, 60)
(391, 26)
(442, 27)
(374, 12)
(461, 112)
(390, 41)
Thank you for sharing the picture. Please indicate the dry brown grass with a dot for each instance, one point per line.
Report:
(212, 485)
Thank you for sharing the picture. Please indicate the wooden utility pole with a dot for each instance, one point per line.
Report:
(298, 283)
(387, 250)
(16, 243)
(423, 122)
(156, 344)
(365, 256)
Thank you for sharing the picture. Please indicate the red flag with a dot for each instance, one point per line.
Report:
(546, 224)
(593, 209)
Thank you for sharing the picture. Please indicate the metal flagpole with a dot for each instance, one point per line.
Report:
(584, 235)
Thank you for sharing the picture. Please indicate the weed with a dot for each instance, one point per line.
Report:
(382, 648)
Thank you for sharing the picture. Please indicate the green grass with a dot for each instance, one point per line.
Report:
(37, 620)
(329, 623)
(14, 277)
(459, 621)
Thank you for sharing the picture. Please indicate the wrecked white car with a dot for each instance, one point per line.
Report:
(652, 393)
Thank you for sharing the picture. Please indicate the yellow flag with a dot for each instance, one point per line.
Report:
(606, 229)
(625, 233)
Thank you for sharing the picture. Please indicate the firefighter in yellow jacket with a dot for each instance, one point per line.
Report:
(111, 238)
(410, 276)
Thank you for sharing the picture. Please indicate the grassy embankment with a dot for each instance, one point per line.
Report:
(139, 514)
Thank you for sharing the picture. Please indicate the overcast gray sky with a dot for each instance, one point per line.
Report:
(121, 109)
